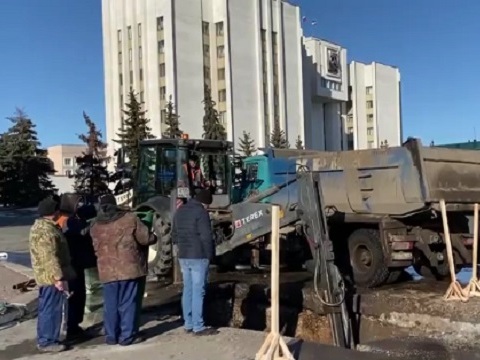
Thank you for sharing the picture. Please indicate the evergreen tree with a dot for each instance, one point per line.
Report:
(91, 176)
(135, 129)
(212, 128)
(172, 121)
(278, 138)
(247, 145)
(299, 143)
(25, 165)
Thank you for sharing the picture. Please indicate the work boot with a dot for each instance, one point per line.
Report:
(206, 332)
(136, 340)
(55, 348)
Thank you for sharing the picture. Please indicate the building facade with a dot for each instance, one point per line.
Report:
(374, 115)
(64, 158)
(325, 93)
(248, 52)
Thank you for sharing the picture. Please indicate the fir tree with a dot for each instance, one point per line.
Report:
(24, 163)
(278, 138)
(212, 128)
(247, 145)
(172, 121)
(91, 176)
(299, 143)
(135, 129)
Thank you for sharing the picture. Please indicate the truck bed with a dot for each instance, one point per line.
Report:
(395, 181)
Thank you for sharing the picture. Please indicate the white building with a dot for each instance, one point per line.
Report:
(374, 108)
(325, 93)
(248, 51)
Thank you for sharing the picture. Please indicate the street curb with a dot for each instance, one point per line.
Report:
(21, 269)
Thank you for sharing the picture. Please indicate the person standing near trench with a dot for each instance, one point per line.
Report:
(192, 233)
(52, 269)
(118, 237)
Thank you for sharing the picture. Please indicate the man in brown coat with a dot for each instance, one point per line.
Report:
(118, 237)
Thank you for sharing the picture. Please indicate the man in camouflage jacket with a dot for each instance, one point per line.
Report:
(118, 238)
(52, 269)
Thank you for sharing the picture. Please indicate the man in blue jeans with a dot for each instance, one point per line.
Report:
(192, 233)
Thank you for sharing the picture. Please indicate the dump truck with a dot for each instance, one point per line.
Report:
(381, 205)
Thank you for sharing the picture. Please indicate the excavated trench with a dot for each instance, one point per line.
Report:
(405, 310)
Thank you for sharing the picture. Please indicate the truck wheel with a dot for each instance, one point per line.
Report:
(160, 254)
(367, 258)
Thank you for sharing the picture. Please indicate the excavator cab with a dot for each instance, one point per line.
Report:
(180, 167)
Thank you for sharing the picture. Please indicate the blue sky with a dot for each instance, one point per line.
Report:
(51, 60)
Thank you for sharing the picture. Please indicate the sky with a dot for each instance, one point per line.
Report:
(51, 61)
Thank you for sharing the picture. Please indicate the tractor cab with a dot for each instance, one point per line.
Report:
(180, 167)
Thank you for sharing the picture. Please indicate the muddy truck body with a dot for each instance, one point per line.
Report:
(382, 205)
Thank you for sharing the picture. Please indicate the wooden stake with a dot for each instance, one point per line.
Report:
(270, 350)
(473, 287)
(454, 291)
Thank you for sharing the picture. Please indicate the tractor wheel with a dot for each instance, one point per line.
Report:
(160, 255)
(367, 258)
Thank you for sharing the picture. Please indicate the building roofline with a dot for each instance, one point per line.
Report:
(374, 62)
(67, 145)
(324, 40)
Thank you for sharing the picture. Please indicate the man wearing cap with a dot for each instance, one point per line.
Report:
(118, 238)
(52, 269)
(192, 234)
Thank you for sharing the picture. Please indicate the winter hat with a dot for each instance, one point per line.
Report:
(47, 207)
(107, 200)
(204, 196)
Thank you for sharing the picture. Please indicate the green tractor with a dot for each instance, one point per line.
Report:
(170, 171)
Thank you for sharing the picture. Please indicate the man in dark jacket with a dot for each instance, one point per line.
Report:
(192, 233)
(83, 257)
(118, 237)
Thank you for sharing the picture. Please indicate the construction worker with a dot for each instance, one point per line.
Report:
(118, 238)
(52, 269)
(195, 173)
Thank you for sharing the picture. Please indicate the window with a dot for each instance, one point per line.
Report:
(67, 161)
(370, 131)
(161, 70)
(140, 52)
(206, 72)
(205, 28)
(369, 90)
(222, 95)
(121, 100)
(131, 77)
(120, 79)
(369, 104)
(163, 92)
(160, 23)
(139, 31)
(161, 47)
(221, 74)
(68, 173)
(219, 27)
(119, 36)
(163, 116)
(220, 51)
(206, 50)
(130, 55)
(142, 96)
(120, 58)
(129, 33)
(370, 118)
(141, 74)
(222, 117)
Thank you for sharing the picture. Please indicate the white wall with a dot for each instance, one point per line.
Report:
(385, 83)
(243, 21)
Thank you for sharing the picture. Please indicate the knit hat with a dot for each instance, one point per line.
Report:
(47, 207)
(204, 196)
(107, 200)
